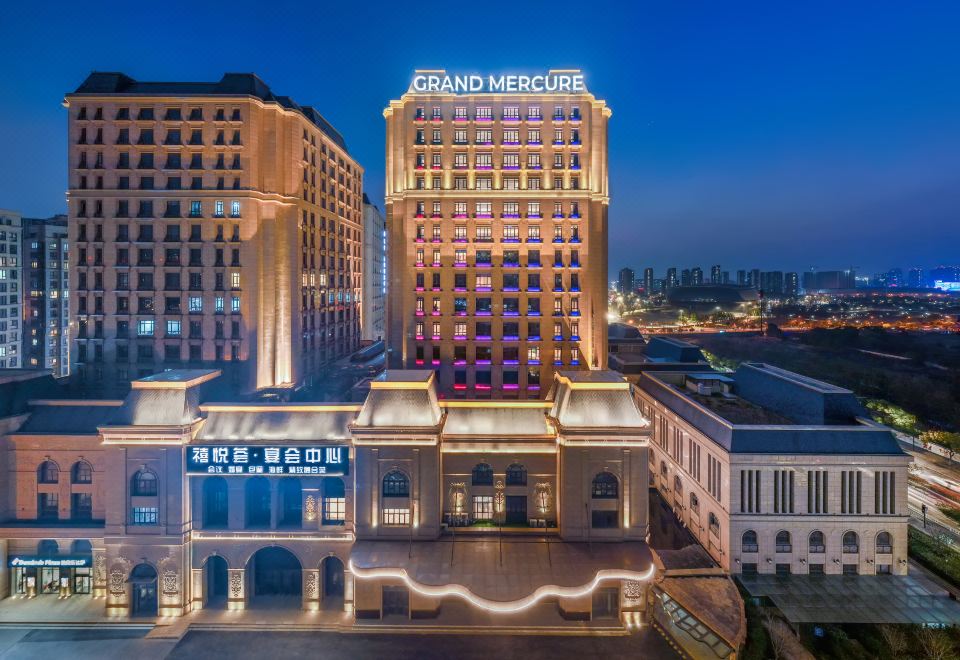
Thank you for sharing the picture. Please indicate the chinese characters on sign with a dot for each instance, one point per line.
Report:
(233, 459)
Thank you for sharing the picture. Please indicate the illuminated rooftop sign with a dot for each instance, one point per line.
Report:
(247, 459)
(30, 561)
(554, 82)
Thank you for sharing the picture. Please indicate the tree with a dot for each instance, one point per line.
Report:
(936, 644)
(779, 636)
(896, 640)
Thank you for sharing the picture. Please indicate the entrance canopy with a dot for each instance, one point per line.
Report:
(472, 570)
(854, 598)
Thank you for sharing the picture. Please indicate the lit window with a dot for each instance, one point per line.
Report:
(483, 507)
(145, 327)
(235, 304)
(195, 304)
(145, 515)
(235, 279)
(218, 208)
(396, 516)
(173, 328)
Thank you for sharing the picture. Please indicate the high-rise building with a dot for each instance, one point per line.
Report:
(374, 315)
(915, 278)
(753, 278)
(791, 285)
(671, 278)
(716, 275)
(626, 281)
(817, 280)
(211, 224)
(685, 279)
(772, 282)
(496, 203)
(648, 281)
(696, 276)
(725, 277)
(46, 299)
(741, 278)
(11, 290)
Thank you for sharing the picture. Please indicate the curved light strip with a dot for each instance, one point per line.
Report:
(500, 607)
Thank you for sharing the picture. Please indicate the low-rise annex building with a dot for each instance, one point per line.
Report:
(167, 501)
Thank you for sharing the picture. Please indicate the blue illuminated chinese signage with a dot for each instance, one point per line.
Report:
(246, 459)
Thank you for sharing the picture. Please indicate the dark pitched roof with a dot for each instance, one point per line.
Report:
(100, 83)
(72, 419)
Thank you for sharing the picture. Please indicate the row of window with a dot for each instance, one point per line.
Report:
(509, 113)
(507, 183)
(149, 113)
(145, 209)
(481, 161)
(511, 259)
(508, 209)
(511, 233)
(816, 542)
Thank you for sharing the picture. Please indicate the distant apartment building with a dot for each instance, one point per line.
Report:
(716, 275)
(648, 281)
(46, 295)
(819, 280)
(772, 283)
(626, 281)
(741, 278)
(211, 224)
(791, 284)
(496, 204)
(915, 279)
(11, 290)
(696, 276)
(671, 280)
(374, 319)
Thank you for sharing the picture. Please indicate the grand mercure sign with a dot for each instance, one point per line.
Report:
(554, 82)
(277, 460)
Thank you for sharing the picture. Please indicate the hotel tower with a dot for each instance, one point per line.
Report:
(496, 199)
(211, 225)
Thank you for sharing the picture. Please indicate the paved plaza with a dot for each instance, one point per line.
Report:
(102, 642)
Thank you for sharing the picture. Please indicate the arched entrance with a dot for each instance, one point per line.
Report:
(332, 570)
(143, 590)
(275, 578)
(215, 574)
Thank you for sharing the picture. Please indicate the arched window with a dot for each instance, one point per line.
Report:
(783, 541)
(215, 502)
(48, 473)
(818, 544)
(605, 487)
(291, 502)
(748, 543)
(144, 484)
(257, 492)
(81, 473)
(678, 488)
(663, 469)
(516, 475)
(396, 484)
(694, 503)
(884, 543)
(851, 542)
(482, 475)
(48, 547)
(81, 547)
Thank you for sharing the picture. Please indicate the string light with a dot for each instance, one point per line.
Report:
(500, 607)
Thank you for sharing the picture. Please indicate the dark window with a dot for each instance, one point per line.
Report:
(604, 519)
(48, 473)
(48, 506)
(749, 542)
(144, 484)
(851, 543)
(81, 473)
(81, 506)
(396, 484)
(884, 543)
(817, 543)
(605, 486)
(783, 542)
(482, 475)
(516, 475)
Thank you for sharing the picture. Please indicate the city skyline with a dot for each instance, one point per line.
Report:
(771, 161)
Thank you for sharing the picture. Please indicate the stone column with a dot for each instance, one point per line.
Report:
(348, 589)
(311, 589)
(199, 591)
(236, 589)
(274, 503)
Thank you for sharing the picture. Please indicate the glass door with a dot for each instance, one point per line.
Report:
(81, 580)
(49, 580)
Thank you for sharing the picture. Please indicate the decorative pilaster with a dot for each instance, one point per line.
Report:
(236, 589)
(199, 591)
(311, 589)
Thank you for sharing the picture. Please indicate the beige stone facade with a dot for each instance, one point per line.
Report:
(210, 224)
(497, 210)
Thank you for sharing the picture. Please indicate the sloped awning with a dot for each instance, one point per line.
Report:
(854, 598)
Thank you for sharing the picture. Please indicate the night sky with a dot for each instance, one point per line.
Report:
(769, 134)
